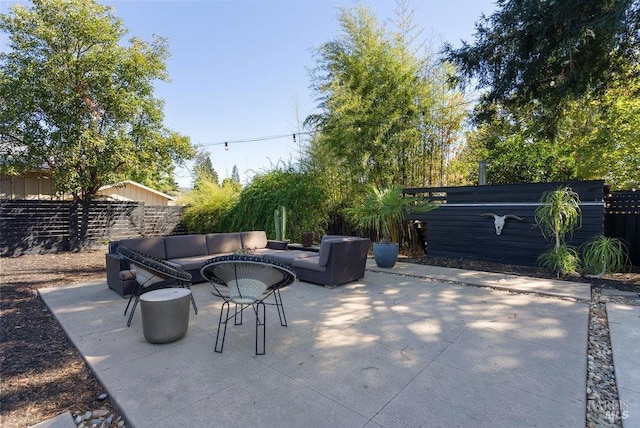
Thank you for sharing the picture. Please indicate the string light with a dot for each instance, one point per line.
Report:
(252, 140)
(298, 134)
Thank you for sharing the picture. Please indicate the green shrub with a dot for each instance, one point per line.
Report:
(302, 194)
(557, 216)
(562, 259)
(383, 210)
(206, 204)
(603, 254)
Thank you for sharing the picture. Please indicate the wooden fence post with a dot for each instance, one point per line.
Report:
(74, 233)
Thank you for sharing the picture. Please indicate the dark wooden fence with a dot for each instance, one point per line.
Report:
(30, 226)
(622, 220)
(454, 230)
(457, 230)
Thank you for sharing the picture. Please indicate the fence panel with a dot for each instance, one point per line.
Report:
(33, 226)
(457, 230)
(94, 223)
(622, 220)
(163, 220)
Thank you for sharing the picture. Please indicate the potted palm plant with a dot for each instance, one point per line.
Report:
(382, 210)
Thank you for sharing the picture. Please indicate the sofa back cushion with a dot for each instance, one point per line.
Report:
(220, 243)
(153, 246)
(325, 247)
(254, 239)
(178, 246)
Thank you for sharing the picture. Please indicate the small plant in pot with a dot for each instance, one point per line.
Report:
(382, 210)
(307, 239)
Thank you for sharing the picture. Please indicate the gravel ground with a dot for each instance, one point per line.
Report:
(42, 374)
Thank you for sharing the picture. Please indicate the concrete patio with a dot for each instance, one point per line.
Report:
(410, 346)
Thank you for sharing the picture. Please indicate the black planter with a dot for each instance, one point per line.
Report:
(307, 239)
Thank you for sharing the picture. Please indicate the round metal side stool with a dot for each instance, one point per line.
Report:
(165, 314)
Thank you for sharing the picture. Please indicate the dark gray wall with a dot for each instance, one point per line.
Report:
(456, 229)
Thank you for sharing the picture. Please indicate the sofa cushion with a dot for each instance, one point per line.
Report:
(325, 247)
(310, 263)
(125, 275)
(179, 246)
(254, 239)
(193, 262)
(221, 243)
(284, 256)
(153, 246)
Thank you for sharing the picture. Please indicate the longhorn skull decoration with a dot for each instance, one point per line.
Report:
(499, 220)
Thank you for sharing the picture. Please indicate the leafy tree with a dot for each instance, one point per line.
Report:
(235, 175)
(562, 92)
(597, 137)
(603, 135)
(77, 100)
(232, 184)
(382, 107)
(442, 128)
(514, 153)
(156, 179)
(203, 169)
(549, 52)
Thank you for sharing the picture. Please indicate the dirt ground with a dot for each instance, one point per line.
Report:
(43, 375)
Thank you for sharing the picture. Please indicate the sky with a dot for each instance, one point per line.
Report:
(240, 69)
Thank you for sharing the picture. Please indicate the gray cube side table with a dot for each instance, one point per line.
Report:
(165, 314)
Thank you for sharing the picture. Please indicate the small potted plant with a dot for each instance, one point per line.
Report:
(382, 210)
(307, 239)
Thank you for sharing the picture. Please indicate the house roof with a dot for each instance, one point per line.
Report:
(135, 184)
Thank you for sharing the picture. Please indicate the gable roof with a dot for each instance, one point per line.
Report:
(132, 183)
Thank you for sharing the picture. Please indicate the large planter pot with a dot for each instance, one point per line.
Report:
(385, 255)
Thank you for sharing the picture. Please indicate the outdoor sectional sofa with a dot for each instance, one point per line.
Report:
(340, 259)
